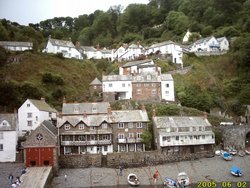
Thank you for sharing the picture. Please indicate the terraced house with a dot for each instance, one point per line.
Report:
(95, 128)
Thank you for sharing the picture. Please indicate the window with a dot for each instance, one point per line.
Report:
(92, 137)
(67, 127)
(110, 85)
(153, 92)
(123, 84)
(139, 135)
(138, 125)
(131, 135)
(153, 85)
(95, 87)
(58, 48)
(29, 115)
(166, 138)
(105, 137)
(29, 123)
(4, 123)
(120, 136)
(146, 84)
(94, 109)
(81, 138)
(92, 128)
(122, 148)
(36, 118)
(138, 91)
(50, 114)
(167, 93)
(203, 136)
(1, 136)
(120, 125)
(105, 148)
(28, 105)
(177, 138)
(104, 125)
(1, 147)
(81, 126)
(138, 85)
(130, 125)
(167, 85)
(69, 49)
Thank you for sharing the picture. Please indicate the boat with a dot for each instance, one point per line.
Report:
(241, 153)
(236, 171)
(170, 183)
(227, 156)
(233, 151)
(183, 180)
(217, 152)
(133, 179)
(247, 152)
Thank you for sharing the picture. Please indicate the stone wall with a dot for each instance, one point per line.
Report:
(234, 136)
(130, 159)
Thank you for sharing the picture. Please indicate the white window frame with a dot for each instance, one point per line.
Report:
(29, 123)
(120, 136)
(120, 125)
(81, 126)
(67, 127)
(29, 115)
(131, 135)
(1, 147)
(110, 85)
(130, 125)
(104, 125)
(139, 125)
(138, 135)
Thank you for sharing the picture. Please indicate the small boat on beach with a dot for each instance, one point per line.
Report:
(247, 152)
(133, 180)
(227, 156)
(170, 183)
(236, 171)
(183, 180)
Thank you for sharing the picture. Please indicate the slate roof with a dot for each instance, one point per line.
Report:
(96, 81)
(11, 119)
(16, 43)
(166, 77)
(133, 63)
(161, 44)
(42, 105)
(115, 117)
(203, 40)
(49, 125)
(88, 48)
(56, 42)
(220, 39)
(180, 121)
(85, 108)
(116, 78)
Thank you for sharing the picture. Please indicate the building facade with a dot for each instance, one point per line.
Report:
(16, 46)
(32, 113)
(8, 137)
(183, 134)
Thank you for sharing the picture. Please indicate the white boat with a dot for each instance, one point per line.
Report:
(218, 152)
(247, 152)
(170, 183)
(227, 156)
(236, 171)
(133, 180)
(233, 151)
(183, 180)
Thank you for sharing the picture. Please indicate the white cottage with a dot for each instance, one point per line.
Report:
(167, 48)
(208, 44)
(16, 46)
(223, 43)
(8, 137)
(186, 36)
(67, 48)
(32, 113)
(183, 134)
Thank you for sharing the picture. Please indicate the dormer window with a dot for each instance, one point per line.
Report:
(81, 126)
(28, 105)
(104, 125)
(67, 126)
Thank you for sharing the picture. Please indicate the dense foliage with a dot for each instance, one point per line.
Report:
(216, 82)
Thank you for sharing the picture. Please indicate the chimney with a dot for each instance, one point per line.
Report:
(43, 99)
(84, 114)
(143, 107)
(205, 115)
(154, 112)
(109, 110)
(78, 44)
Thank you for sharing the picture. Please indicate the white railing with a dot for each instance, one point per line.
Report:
(186, 142)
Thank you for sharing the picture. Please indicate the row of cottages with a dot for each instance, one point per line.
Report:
(210, 44)
(16, 46)
(67, 48)
(95, 128)
(167, 48)
(182, 134)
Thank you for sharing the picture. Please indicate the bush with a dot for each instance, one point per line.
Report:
(49, 78)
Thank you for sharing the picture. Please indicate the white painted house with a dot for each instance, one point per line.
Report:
(67, 48)
(223, 43)
(180, 133)
(16, 46)
(208, 44)
(32, 113)
(167, 48)
(167, 87)
(91, 52)
(8, 137)
(186, 36)
(137, 67)
(128, 53)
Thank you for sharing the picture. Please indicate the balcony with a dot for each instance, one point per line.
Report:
(85, 143)
(187, 142)
(129, 140)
